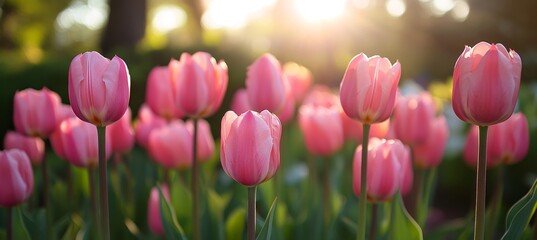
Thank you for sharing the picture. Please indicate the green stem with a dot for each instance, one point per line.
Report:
(327, 205)
(362, 207)
(423, 207)
(416, 209)
(195, 185)
(9, 224)
(251, 213)
(481, 185)
(93, 201)
(495, 203)
(374, 220)
(46, 204)
(103, 183)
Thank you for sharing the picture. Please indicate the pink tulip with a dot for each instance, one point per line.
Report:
(99, 88)
(34, 147)
(486, 80)
(430, 153)
(200, 83)
(250, 146)
(412, 118)
(239, 102)
(121, 134)
(322, 96)
(369, 88)
(300, 80)
(79, 141)
(322, 129)
(171, 145)
(407, 169)
(65, 112)
(265, 84)
(35, 112)
(154, 220)
(146, 123)
(508, 142)
(16, 177)
(205, 139)
(353, 129)
(288, 110)
(159, 94)
(386, 170)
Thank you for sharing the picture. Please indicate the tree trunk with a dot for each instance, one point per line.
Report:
(126, 24)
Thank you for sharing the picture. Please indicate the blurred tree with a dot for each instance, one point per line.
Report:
(126, 24)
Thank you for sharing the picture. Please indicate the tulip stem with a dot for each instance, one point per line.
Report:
(362, 207)
(251, 213)
(44, 173)
(93, 201)
(481, 184)
(103, 183)
(9, 226)
(374, 219)
(196, 233)
(327, 205)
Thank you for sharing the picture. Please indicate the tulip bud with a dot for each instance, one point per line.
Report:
(171, 145)
(265, 84)
(35, 112)
(34, 147)
(154, 220)
(121, 134)
(16, 177)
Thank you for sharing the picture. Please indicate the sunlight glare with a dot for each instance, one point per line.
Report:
(319, 10)
(460, 11)
(167, 18)
(396, 8)
(440, 7)
(233, 14)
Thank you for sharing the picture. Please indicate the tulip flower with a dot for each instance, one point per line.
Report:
(385, 169)
(34, 147)
(154, 220)
(300, 79)
(160, 93)
(412, 118)
(354, 129)
(321, 138)
(265, 84)
(205, 139)
(239, 102)
(508, 142)
(16, 177)
(288, 110)
(121, 134)
(171, 145)
(430, 153)
(35, 112)
(99, 88)
(200, 83)
(146, 123)
(250, 152)
(486, 80)
(369, 88)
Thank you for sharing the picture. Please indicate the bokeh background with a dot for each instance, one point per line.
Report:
(39, 38)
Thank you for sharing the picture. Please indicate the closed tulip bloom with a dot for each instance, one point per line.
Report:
(99, 88)
(322, 96)
(205, 140)
(159, 94)
(369, 88)
(385, 170)
(171, 145)
(265, 84)
(300, 79)
(288, 110)
(508, 142)
(121, 134)
(154, 220)
(250, 146)
(412, 118)
(429, 154)
(239, 102)
(16, 177)
(353, 129)
(407, 169)
(200, 83)
(322, 129)
(146, 123)
(35, 112)
(80, 143)
(65, 112)
(34, 147)
(486, 80)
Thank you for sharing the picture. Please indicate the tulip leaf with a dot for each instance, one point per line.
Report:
(520, 214)
(266, 230)
(235, 224)
(172, 229)
(402, 223)
(19, 228)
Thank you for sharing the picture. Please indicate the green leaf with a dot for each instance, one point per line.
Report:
(402, 223)
(520, 214)
(266, 230)
(235, 224)
(19, 228)
(172, 229)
